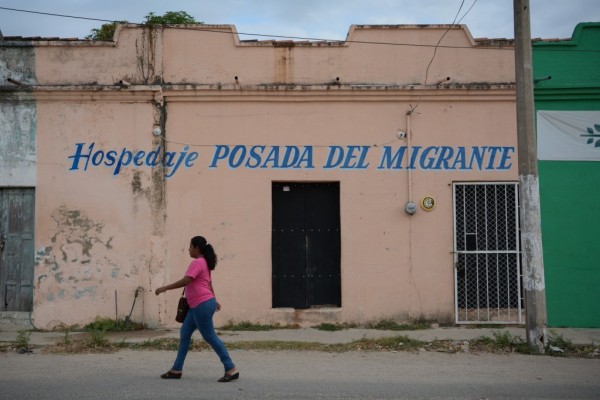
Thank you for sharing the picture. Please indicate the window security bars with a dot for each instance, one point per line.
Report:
(486, 253)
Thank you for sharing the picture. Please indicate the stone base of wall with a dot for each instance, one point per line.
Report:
(11, 321)
(305, 317)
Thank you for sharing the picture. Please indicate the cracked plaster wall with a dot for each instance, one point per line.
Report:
(97, 233)
(93, 227)
(17, 119)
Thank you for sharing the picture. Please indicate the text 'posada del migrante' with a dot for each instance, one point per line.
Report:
(436, 158)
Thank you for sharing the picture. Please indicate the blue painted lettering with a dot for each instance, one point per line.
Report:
(389, 161)
(120, 159)
(111, 157)
(290, 157)
(168, 158)
(351, 157)
(221, 153)
(275, 157)
(335, 153)
(254, 157)
(189, 160)
(459, 160)
(78, 155)
(444, 156)
(506, 158)
(494, 150)
(97, 158)
(138, 159)
(272, 158)
(414, 151)
(180, 159)
(152, 159)
(426, 161)
(360, 164)
(124, 160)
(306, 158)
(448, 158)
(477, 155)
(241, 150)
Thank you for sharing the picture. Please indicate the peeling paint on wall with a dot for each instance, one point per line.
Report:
(138, 191)
(17, 143)
(78, 233)
(81, 247)
(88, 291)
(42, 258)
(17, 64)
(17, 118)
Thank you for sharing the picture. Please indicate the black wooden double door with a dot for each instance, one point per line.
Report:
(306, 245)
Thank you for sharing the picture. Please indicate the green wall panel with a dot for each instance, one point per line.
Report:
(570, 190)
(570, 209)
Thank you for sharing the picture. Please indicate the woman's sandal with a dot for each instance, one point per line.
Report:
(171, 375)
(229, 377)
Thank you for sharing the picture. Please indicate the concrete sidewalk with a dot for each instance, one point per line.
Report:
(580, 336)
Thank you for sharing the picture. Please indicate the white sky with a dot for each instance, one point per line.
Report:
(322, 19)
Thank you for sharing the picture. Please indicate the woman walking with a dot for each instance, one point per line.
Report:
(203, 304)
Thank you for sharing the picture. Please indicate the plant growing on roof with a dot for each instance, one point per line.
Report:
(107, 31)
(171, 18)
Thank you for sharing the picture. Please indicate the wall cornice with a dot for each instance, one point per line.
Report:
(270, 93)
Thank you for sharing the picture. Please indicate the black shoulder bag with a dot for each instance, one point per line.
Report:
(182, 308)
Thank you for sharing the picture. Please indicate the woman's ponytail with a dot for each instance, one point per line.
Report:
(209, 255)
(208, 252)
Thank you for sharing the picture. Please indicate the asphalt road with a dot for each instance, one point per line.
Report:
(131, 374)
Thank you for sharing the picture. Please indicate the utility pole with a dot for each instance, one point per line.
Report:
(531, 232)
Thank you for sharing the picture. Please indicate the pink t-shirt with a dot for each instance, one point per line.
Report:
(198, 291)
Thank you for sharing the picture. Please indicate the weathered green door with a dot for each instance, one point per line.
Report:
(16, 249)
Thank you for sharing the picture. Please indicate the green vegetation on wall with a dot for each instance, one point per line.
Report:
(107, 31)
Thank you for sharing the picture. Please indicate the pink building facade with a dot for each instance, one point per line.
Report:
(338, 182)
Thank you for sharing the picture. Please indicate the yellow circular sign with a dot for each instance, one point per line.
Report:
(428, 203)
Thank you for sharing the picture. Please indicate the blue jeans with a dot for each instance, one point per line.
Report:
(200, 317)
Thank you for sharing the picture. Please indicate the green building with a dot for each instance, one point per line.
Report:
(567, 100)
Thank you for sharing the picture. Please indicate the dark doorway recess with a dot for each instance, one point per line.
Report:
(306, 245)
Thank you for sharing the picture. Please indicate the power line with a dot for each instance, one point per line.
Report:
(55, 15)
(491, 47)
(447, 30)
(468, 11)
(271, 36)
(437, 45)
